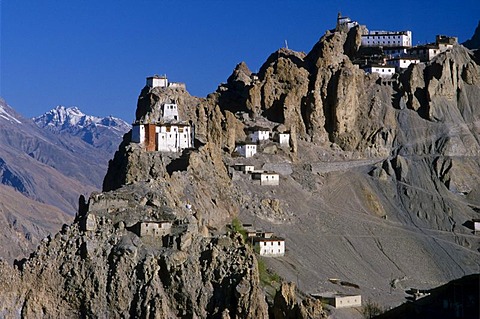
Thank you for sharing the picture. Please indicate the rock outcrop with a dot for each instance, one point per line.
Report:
(100, 267)
(288, 307)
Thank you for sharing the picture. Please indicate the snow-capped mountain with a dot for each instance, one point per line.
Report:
(44, 167)
(62, 117)
(100, 132)
(7, 113)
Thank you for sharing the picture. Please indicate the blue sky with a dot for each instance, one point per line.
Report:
(96, 54)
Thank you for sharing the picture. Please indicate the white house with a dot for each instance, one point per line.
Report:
(246, 149)
(177, 85)
(258, 134)
(345, 23)
(264, 234)
(395, 52)
(173, 137)
(387, 39)
(424, 52)
(384, 71)
(445, 42)
(157, 81)
(170, 112)
(269, 247)
(266, 178)
(138, 133)
(283, 139)
(342, 300)
(244, 168)
(152, 228)
(144, 134)
(429, 51)
(402, 62)
(167, 135)
(476, 225)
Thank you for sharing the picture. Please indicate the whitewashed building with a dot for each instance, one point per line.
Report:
(167, 135)
(177, 85)
(342, 300)
(145, 134)
(258, 134)
(402, 62)
(138, 133)
(476, 225)
(395, 52)
(282, 138)
(152, 228)
(429, 51)
(244, 168)
(173, 137)
(384, 71)
(170, 112)
(269, 247)
(445, 42)
(424, 52)
(162, 81)
(157, 81)
(345, 23)
(163, 137)
(387, 39)
(246, 149)
(266, 178)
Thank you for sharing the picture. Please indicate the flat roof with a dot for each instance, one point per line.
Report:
(374, 33)
(425, 46)
(246, 143)
(256, 238)
(379, 66)
(156, 76)
(404, 58)
(395, 48)
(333, 295)
(258, 128)
(172, 124)
(156, 221)
(264, 172)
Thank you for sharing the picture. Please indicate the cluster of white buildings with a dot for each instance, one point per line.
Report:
(264, 177)
(169, 134)
(265, 243)
(398, 52)
(162, 81)
(257, 135)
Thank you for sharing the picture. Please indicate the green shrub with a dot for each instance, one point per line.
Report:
(237, 227)
(267, 277)
(371, 309)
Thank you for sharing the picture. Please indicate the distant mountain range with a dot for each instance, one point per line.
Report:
(474, 42)
(46, 164)
(100, 132)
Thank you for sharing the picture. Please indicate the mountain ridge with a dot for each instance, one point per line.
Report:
(50, 168)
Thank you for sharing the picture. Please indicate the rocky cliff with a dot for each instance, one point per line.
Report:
(377, 191)
(109, 271)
